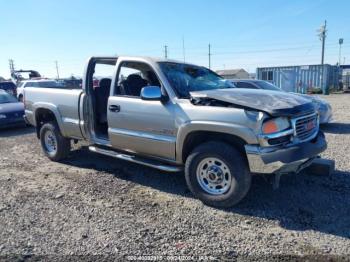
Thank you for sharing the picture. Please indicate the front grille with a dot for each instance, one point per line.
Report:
(279, 140)
(305, 127)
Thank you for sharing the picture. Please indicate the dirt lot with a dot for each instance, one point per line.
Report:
(94, 205)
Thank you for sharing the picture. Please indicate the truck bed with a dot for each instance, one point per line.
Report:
(64, 103)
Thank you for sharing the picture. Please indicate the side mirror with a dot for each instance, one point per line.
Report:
(151, 93)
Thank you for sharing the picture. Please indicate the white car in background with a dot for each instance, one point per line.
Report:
(36, 83)
(323, 107)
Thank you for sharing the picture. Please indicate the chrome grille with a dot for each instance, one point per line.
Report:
(305, 127)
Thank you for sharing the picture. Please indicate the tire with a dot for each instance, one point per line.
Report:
(227, 176)
(20, 98)
(54, 145)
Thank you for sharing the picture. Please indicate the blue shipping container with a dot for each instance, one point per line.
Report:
(301, 79)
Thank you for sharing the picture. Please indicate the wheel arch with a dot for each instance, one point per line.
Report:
(46, 113)
(193, 133)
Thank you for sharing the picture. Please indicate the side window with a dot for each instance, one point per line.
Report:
(102, 76)
(245, 85)
(28, 84)
(133, 76)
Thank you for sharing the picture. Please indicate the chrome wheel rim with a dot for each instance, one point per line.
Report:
(214, 176)
(50, 142)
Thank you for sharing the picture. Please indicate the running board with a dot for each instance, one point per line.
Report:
(134, 159)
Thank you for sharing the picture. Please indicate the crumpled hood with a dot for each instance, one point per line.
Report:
(11, 107)
(275, 103)
(314, 98)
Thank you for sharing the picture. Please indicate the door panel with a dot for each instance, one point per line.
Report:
(143, 127)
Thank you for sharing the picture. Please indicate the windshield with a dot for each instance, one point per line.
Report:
(189, 78)
(6, 98)
(267, 85)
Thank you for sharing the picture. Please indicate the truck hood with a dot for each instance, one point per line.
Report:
(274, 103)
(11, 107)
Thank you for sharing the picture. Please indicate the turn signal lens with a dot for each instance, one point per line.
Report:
(275, 125)
(270, 127)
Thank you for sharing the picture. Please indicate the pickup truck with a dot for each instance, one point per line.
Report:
(176, 116)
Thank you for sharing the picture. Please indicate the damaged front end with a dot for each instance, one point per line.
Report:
(288, 132)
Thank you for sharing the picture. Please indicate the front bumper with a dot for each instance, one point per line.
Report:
(326, 117)
(286, 159)
(11, 123)
(325, 112)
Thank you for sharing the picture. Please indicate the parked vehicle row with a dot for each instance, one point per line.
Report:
(11, 111)
(176, 116)
(323, 107)
(44, 83)
(9, 87)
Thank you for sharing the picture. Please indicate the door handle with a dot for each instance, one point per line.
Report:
(114, 108)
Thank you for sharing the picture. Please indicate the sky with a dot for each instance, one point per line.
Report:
(242, 34)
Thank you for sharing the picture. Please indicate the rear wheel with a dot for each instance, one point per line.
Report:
(55, 146)
(20, 98)
(217, 174)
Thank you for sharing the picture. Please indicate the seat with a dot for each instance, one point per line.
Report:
(133, 84)
(102, 94)
(152, 78)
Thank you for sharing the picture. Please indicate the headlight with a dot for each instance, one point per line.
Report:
(275, 125)
(2, 116)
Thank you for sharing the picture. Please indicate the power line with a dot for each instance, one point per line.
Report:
(307, 48)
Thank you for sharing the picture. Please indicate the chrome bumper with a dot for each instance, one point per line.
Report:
(290, 159)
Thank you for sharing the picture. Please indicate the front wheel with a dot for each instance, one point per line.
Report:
(55, 146)
(217, 174)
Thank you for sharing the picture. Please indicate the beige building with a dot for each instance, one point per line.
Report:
(233, 73)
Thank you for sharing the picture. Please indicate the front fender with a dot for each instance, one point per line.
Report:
(184, 130)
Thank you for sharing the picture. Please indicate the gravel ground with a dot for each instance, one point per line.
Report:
(95, 207)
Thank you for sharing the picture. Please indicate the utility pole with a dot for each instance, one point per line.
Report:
(341, 41)
(58, 75)
(166, 52)
(322, 35)
(183, 48)
(209, 56)
(12, 65)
